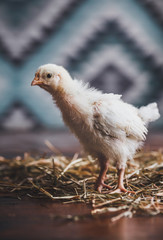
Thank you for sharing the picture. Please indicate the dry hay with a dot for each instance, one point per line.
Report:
(72, 180)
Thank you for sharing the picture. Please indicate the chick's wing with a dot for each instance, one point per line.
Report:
(117, 119)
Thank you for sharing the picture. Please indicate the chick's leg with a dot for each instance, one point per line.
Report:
(102, 176)
(120, 187)
(120, 180)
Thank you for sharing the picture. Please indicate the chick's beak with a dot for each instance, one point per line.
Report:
(36, 81)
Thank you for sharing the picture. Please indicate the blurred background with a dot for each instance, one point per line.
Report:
(116, 46)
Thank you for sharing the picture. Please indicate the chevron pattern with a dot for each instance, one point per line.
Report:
(116, 46)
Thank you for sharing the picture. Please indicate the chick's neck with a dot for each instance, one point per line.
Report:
(68, 99)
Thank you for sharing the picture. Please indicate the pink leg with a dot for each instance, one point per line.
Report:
(102, 176)
(120, 187)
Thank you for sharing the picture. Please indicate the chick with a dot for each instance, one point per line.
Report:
(108, 128)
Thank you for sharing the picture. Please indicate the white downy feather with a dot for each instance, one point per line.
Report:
(149, 113)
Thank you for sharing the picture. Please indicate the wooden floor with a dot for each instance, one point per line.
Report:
(37, 219)
(14, 143)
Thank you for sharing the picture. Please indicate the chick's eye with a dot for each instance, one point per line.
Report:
(49, 75)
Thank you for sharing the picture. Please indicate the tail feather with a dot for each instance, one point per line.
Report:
(149, 113)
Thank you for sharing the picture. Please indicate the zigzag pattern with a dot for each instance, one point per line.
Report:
(155, 7)
(107, 46)
(109, 28)
(18, 44)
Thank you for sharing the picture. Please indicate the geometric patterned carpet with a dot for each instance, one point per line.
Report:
(116, 46)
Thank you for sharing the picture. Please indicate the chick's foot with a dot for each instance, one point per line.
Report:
(120, 190)
(101, 185)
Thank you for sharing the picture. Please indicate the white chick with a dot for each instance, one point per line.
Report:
(108, 128)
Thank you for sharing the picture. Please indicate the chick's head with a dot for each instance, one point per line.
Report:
(50, 77)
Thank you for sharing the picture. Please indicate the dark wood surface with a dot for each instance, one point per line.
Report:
(14, 143)
(37, 218)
